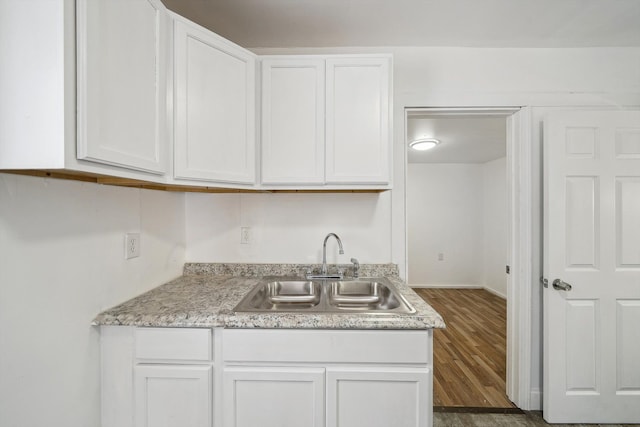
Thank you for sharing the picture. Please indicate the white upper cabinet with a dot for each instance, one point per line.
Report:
(293, 121)
(326, 121)
(35, 84)
(128, 89)
(214, 107)
(358, 148)
(121, 83)
(84, 86)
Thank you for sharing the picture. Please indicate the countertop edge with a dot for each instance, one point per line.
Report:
(207, 301)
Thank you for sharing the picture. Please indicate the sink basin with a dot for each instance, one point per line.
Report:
(363, 295)
(283, 295)
(375, 295)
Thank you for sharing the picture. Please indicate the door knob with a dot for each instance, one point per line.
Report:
(559, 285)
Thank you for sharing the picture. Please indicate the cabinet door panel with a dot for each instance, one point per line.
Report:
(358, 132)
(399, 397)
(293, 121)
(173, 396)
(274, 397)
(122, 83)
(214, 107)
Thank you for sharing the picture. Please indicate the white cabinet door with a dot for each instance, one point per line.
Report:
(293, 121)
(173, 396)
(274, 397)
(379, 397)
(358, 133)
(122, 83)
(214, 107)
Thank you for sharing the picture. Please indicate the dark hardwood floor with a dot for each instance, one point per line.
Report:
(470, 354)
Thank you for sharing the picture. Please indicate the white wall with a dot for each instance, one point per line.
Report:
(459, 210)
(61, 263)
(444, 216)
(495, 226)
(288, 228)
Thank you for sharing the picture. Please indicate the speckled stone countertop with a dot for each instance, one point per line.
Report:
(207, 293)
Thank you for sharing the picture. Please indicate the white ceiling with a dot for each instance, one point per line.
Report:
(463, 139)
(474, 23)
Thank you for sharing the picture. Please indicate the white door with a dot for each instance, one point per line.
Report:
(173, 396)
(379, 397)
(273, 397)
(592, 243)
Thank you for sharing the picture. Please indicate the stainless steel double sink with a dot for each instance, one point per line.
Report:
(371, 295)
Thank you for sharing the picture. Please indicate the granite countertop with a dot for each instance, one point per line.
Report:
(207, 293)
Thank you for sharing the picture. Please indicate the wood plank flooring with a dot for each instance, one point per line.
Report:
(470, 354)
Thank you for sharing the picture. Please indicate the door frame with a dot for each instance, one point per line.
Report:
(520, 241)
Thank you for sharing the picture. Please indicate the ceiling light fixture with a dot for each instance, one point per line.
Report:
(424, 144)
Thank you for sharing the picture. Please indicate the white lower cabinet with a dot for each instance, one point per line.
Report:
(332, 378)
(378, 397)
(349, 396)
(274, 397)
(157, 377)
(199, 377)
(173, 396)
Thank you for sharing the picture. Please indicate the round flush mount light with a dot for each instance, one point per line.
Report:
(424, 144)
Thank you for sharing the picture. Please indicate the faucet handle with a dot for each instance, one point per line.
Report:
(356, 267)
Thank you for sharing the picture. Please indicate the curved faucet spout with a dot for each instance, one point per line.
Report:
(324, 250)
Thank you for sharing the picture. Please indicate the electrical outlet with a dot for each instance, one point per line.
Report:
(131, 245)
(245, 235)
(440, 256)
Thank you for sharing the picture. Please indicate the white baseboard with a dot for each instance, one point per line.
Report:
(535, 400)
(459, 286)
(496, 293)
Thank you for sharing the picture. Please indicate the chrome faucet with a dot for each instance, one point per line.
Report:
(324, 251)
(323, 272)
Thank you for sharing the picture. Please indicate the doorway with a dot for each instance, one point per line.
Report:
(458, 245)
